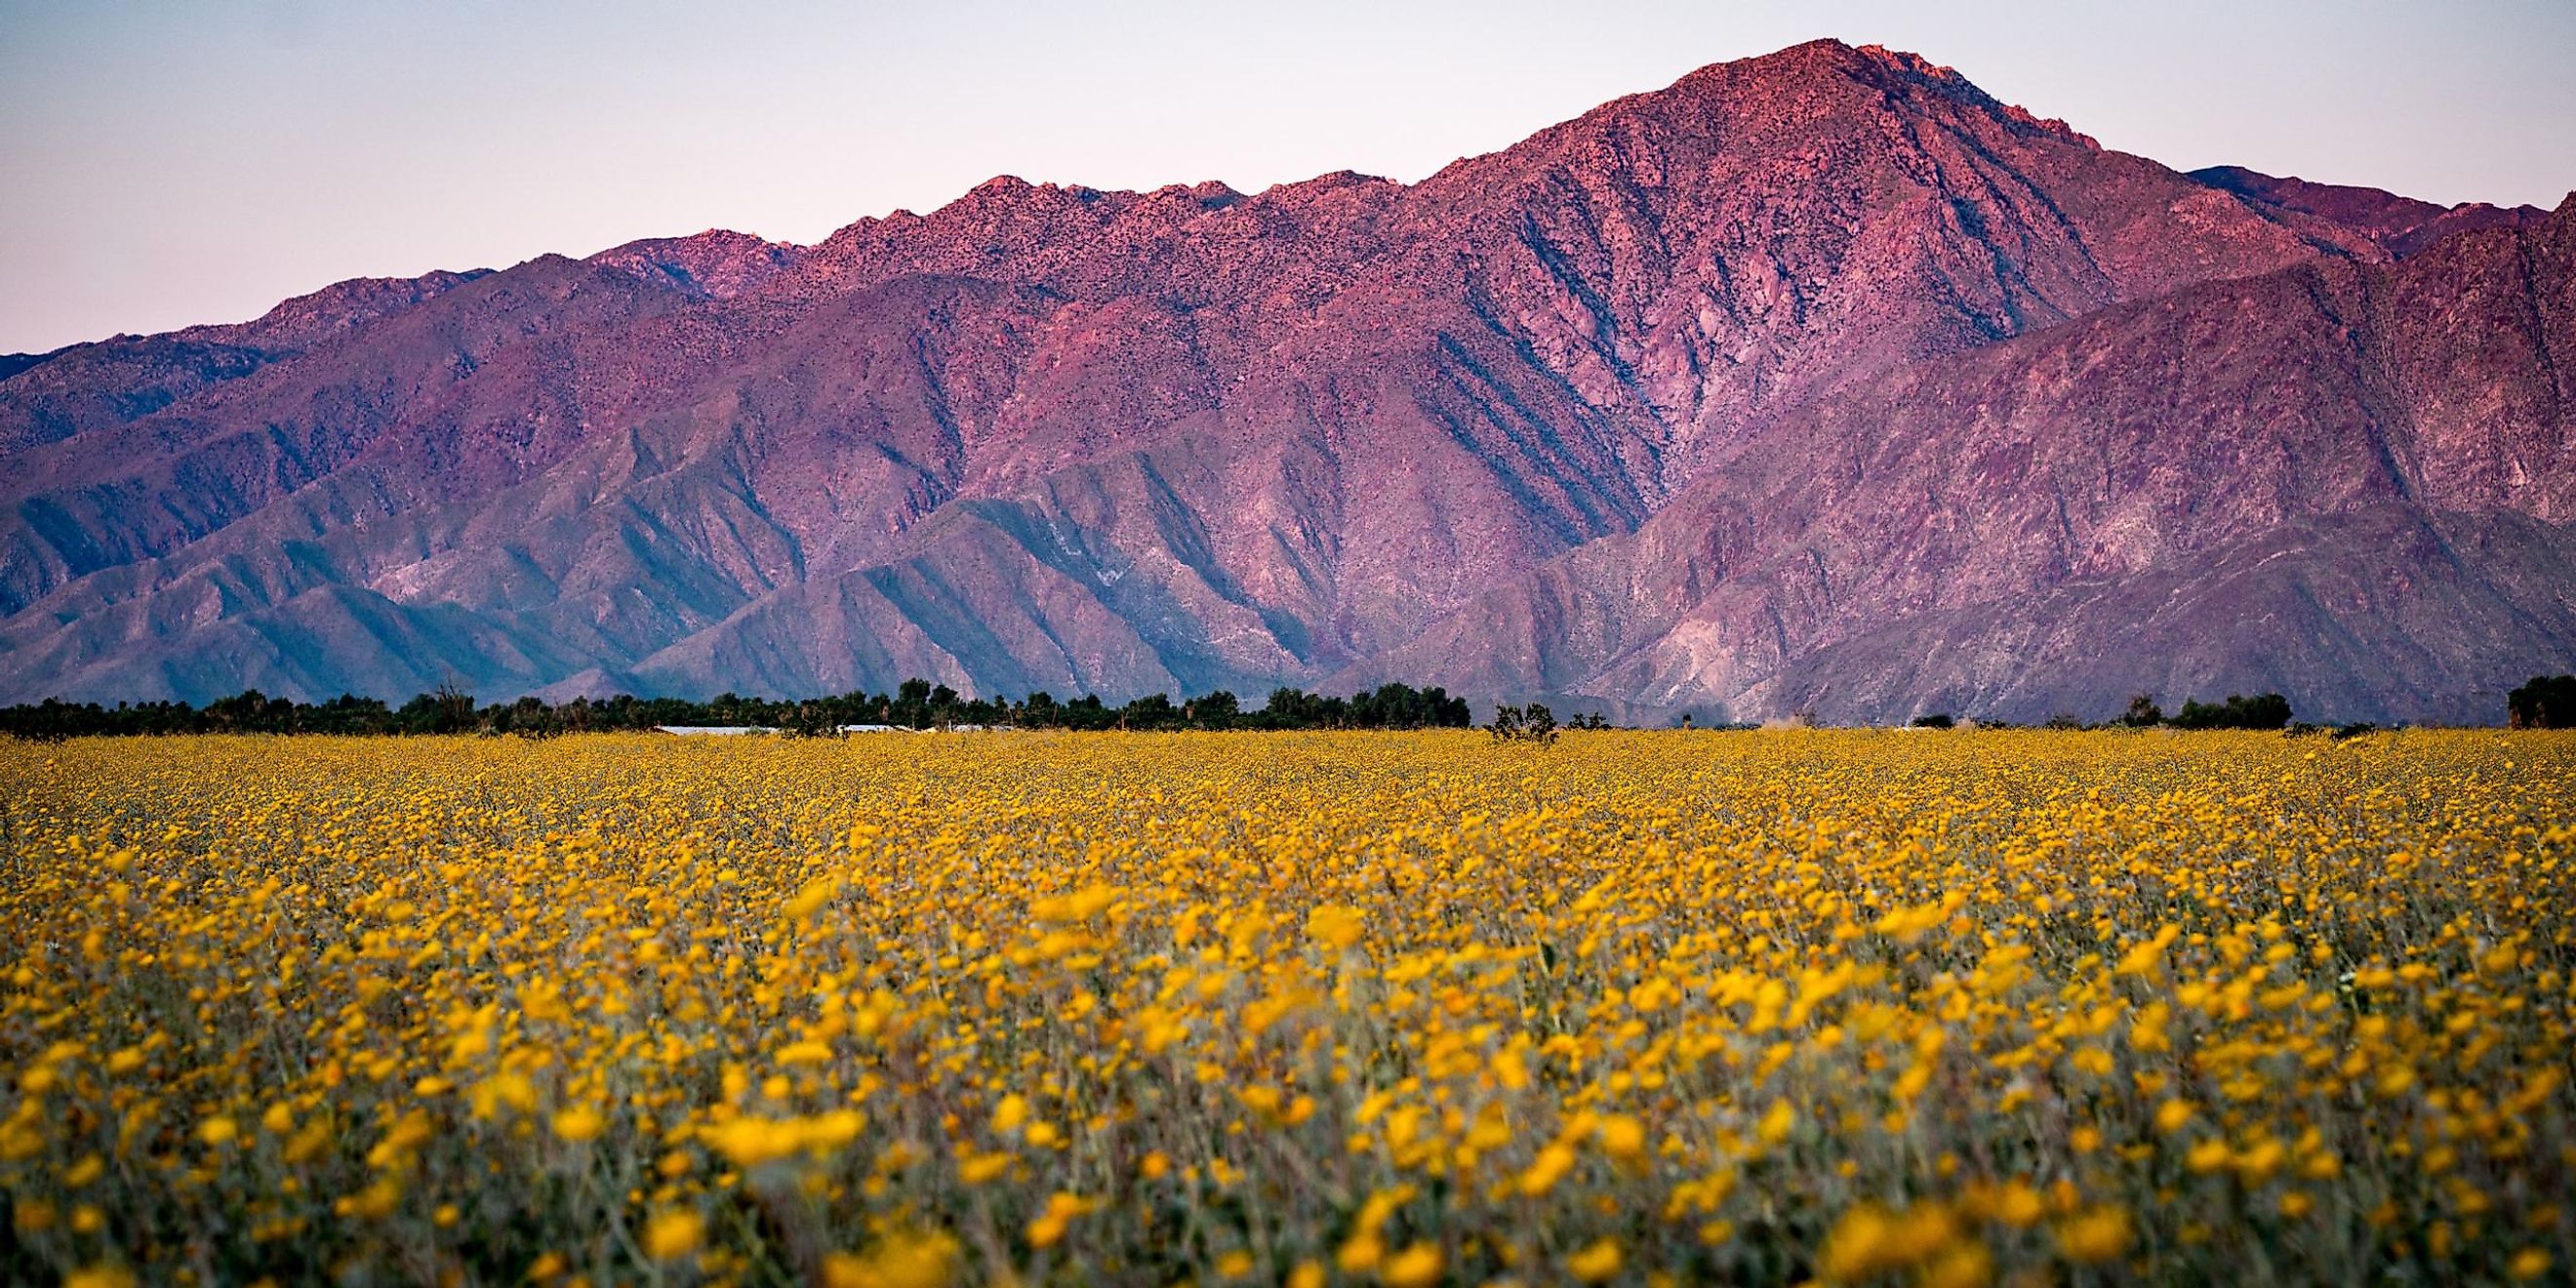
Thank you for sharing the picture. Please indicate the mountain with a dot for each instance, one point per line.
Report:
(2398, 225)
(2342, 481)
(51, 396)
(1055, 437)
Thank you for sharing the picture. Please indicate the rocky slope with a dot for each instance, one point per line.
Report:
(1060, 438)
(2398, 225)
(2346, 482)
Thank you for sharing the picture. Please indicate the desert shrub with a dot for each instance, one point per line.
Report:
(2543, 702)
(2262, 711)
(1533, 723)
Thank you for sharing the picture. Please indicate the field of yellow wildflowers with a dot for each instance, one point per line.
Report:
(1317, 1009)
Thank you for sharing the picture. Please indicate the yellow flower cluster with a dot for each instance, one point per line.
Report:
(1317, 1009)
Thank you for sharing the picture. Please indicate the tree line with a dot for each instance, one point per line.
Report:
(914, 704)
(2262, 711)
(2547, 702)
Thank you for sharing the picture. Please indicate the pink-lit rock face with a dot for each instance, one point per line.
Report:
(2343, 481)
(1816, 381)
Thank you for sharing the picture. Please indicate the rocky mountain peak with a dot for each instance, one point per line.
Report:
(716, 264)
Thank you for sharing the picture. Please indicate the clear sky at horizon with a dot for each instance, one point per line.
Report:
(168, 162)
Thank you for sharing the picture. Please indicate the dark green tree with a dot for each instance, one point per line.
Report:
(2543, 702)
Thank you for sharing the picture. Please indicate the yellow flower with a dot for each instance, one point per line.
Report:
(1960, 1265)
(1008, 1115)
(1777, 1123)
(2094, 1235)
(1417, 1266)
(1544, 1171)
(1048, 1227)
(908, 1260)
(2144, 958)
(2019, 1206)
(1595, 1263)
(2528, 1264)
(1336, 925)
(811, 898)
(2258, 1162)
(804, 1053)
(217, 1131)
(747, 1142)
(1360, 1253)
(1622, 1137)
(579, 1123)
(674, 1233)
(1870, 1240)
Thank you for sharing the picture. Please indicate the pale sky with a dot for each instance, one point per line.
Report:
(167, 162)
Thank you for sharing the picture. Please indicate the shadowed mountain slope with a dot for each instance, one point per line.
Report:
(2398, 225)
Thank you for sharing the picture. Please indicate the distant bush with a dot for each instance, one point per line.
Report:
(2262, 711)
(2544, 702)
(1936, 720)
(1533, 723)
(2143, 713)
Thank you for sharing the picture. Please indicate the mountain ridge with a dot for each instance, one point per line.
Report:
(2399, 225)
(1069, 438)
(1709, 605)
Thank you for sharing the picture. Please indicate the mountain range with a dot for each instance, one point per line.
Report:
(1818, 382)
